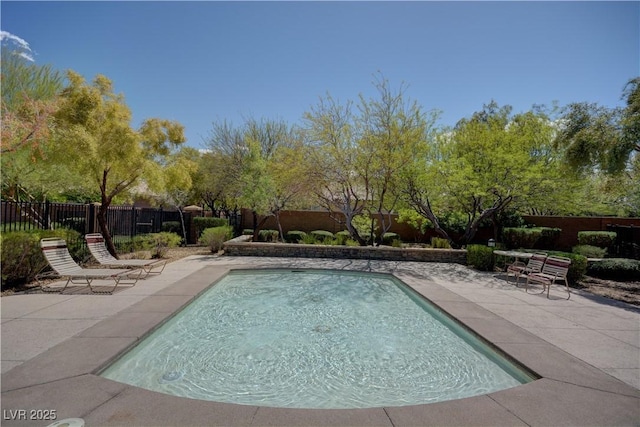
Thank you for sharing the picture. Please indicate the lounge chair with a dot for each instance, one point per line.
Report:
(554, 268)
(534, 265)
(99, 251)
(56, 253)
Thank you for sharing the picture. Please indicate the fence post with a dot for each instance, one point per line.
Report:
(45, 222)
(91, 214)
(134, 221)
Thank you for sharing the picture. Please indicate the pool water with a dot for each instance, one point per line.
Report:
(314, 339)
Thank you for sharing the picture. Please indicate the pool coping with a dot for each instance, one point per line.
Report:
(569, 392)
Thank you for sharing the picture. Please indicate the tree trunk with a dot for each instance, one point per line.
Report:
(184, 230)
(256, 227)
(277, 215)
(102, 222)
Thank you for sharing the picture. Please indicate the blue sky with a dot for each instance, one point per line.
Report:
(203, 62)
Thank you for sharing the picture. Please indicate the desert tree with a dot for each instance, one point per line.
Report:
(94, 137)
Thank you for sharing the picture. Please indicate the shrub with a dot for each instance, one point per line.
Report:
(158, 243)
(515, 238)
(343, 236)
(589, 251)
(308, 239)
(268, 235)
(548, 237)
(214, 237)
(439, 242)
(172, 227)
(366, 237)
(389, 238)
(247, 232)
(529, 238)
(22, 258)
(578, 267)
(601, 239)
(322, 236)
(480, 257)
(620, 269)
(294, 236)
(200, 223)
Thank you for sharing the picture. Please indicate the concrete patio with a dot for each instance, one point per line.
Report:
(586, 351)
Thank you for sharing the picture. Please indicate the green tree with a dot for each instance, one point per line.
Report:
(594, 137)
(179, 173)
(479, 168)
(95, 138)
(393, 129)
(333, 159)
(252, 165)
(29, 98)
(288, 170)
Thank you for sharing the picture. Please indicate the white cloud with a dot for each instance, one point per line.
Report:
(22, 45)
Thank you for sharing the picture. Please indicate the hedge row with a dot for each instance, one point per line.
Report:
(530, 238)
(600, 239)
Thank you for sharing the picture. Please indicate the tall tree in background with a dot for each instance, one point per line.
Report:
(29, 99)
(605, 142)
(393, 129)
(253, 165)
(179, 173)
(333, 160)
(593, 136)
(94, 136)
(482, 166)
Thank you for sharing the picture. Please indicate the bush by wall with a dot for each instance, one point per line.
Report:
(22, 258)
(268, 235)
(620, 269)
(601, 239)
(214, 237)
(200, 223)
(294, 236)
(440, 243)
(590, 251)
(389, 238)
(578, 267)
(342, 237)
(480, 257)
(321, 236)
(529, 238)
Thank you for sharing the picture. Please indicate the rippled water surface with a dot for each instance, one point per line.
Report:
(312, 339)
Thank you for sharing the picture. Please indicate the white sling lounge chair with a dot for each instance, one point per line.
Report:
(56, 252)
(96, 245)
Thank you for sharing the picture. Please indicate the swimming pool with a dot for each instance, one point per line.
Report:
(314, 339)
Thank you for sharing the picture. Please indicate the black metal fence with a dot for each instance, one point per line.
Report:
(121, 220)
(627, 242)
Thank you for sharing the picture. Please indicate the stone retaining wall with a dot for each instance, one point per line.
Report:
(240, 247)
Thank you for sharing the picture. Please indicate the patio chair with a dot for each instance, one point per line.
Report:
(99, 251)
(554, 268)
(57, 255)
(534, 265)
